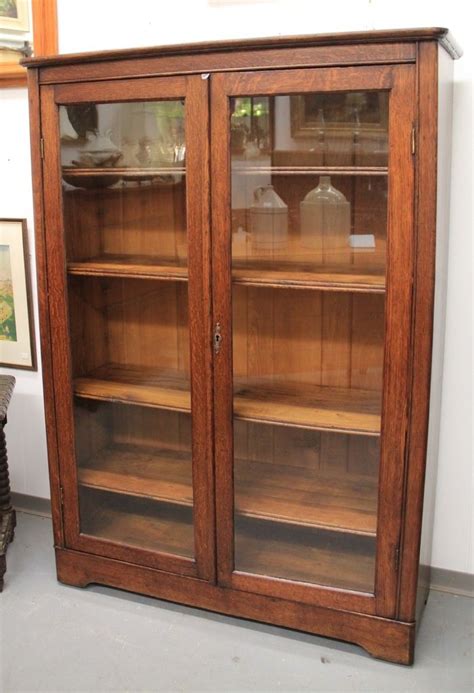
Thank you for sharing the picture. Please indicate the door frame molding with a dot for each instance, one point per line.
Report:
(195, 92)
(399, 80)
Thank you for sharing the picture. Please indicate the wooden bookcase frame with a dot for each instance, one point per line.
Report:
(416, 62)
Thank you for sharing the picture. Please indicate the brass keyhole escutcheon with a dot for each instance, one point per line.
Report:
(217, 338)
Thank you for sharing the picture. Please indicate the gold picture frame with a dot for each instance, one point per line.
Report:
(348, 111)
(45, 42)
(17, 343)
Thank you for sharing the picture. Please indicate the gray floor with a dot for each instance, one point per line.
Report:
(58, 638)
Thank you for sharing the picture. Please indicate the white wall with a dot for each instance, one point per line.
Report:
(26, 439)
(111, 24)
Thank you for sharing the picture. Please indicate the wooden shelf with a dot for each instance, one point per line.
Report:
(143, 266)
(309, 170)
(277, 493)
(122, 171)
(323, 269)
(163, 389)
(342, 410)
(293, 553)
(138, 523)
(262, 548)
(322, 558)
(161, 474)
(338, 409)
(303, 275)
(116, 178)
(285, 275)
(295, 496)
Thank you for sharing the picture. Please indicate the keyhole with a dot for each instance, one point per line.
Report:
(217, 338)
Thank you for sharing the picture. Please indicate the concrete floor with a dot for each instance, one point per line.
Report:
(58, 638)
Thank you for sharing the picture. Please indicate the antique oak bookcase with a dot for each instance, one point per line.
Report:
(237, 246)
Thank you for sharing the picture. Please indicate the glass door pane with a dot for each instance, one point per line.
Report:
(124, 206)
(309, 225)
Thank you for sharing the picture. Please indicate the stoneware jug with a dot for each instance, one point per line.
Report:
(325, 223)
(268, 220)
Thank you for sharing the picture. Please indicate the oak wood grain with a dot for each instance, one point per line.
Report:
(364, 38)
(44, 316)
(167, 389)
(309, 406)
(397, 336)
(56, 323)
(304, 275)
(421, 472)
(143, 266)
(286, 404)
(214, 62)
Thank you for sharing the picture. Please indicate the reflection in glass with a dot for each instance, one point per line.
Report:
(130, 344)
(309, 225)
(134, 473)
(124, 207)
(124, 199)
(324, 164)
(326, 223)
(147, 133)
(116, 325)
(268, 220)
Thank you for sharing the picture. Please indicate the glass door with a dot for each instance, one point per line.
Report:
(129, 245)
(311, 309)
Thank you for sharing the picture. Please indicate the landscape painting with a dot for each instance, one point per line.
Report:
(7, 303)
(16, 320)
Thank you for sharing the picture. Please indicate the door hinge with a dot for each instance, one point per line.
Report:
(61, 496)
(42, 148)
(413, 140)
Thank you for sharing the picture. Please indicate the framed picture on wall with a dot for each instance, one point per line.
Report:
(14, 15)
(26, 20)
(366, 112)
(16, 316)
